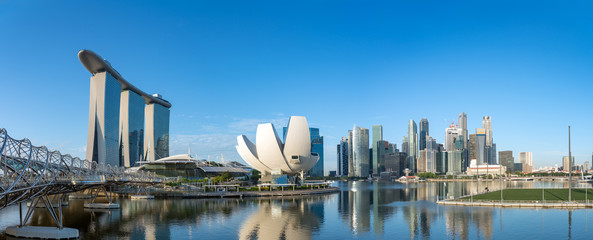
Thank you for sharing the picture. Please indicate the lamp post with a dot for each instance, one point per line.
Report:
(569, 168)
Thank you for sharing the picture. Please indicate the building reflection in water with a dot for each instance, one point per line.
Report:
(295, 218)
(382, 201)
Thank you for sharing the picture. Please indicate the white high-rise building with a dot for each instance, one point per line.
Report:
(463, 127)
(526, 159)
(359, 159)
(487, 125)
(451, 134)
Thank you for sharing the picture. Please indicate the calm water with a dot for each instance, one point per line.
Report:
(361, 210)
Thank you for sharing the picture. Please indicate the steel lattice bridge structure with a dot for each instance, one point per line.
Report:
(28, 172)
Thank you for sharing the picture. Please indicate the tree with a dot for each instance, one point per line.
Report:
(255, 175)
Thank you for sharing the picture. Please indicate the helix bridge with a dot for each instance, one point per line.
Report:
(32, 173)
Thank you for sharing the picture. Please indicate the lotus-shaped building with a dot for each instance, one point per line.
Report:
(272, 157)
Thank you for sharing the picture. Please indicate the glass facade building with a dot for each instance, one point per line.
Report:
(507, 160)
(412, 145)
(156, 135)
(360, 152)
(377, 136)
(481, 154)
(423, 133)
(103, 131)
(131, 127)
(342, 168)
(316, 147)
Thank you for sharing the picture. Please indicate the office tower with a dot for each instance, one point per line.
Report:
(473, 154)
(405, 145)
(463, 128)
(103, 131)
(431, 154)
(421, 162)
(131, 129)
(487, 125)
(518, 167)
(506, 159)
(586, 165)
(481, 155)
(156, 132)
(454, 162)
(377, 136)
(316, 147)
(383, 148)
(350, 153)
(342, 169)
(492, 154)
(451, 134)
(566, 164)
(360, 152)
(423, 133)
(412, 145)
(526, 159)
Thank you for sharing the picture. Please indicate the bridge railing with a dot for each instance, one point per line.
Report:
(25, 168)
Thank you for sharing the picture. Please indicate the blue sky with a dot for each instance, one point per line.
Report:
(227, 66)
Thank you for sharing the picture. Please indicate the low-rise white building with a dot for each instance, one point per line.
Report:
(485, 169)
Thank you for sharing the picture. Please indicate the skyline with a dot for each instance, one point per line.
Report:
(385, 65)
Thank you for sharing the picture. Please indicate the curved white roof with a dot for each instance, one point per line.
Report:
(270, 154)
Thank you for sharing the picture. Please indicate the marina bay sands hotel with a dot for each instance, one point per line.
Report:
(126, 125)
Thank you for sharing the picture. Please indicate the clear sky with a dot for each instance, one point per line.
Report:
(227, 66)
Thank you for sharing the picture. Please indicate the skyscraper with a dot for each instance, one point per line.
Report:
(405, 145)
(317, 147)
(131, 129)
(377, 136)
(431, 154)
(526, 159)
(487, 125)
(120, 125)
(103, 132)
(451, 134)
(342, 169)
(421, 161)
(506, 159)
(412, 145)
(481, 155)
(472, 147)
(156, 134)
(423, 133)
(566, 164)
(463, 127)
(360, 152)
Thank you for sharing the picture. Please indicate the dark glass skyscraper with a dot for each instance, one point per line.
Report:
(317, 147)
(376, 157)
(423, 133)
(131, 128)
(507, 160)
(156, 135)
(342, 169)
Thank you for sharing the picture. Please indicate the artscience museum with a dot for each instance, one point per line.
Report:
(271, 156)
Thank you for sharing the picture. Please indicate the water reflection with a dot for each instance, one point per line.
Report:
(359, 210)
(284, 219)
